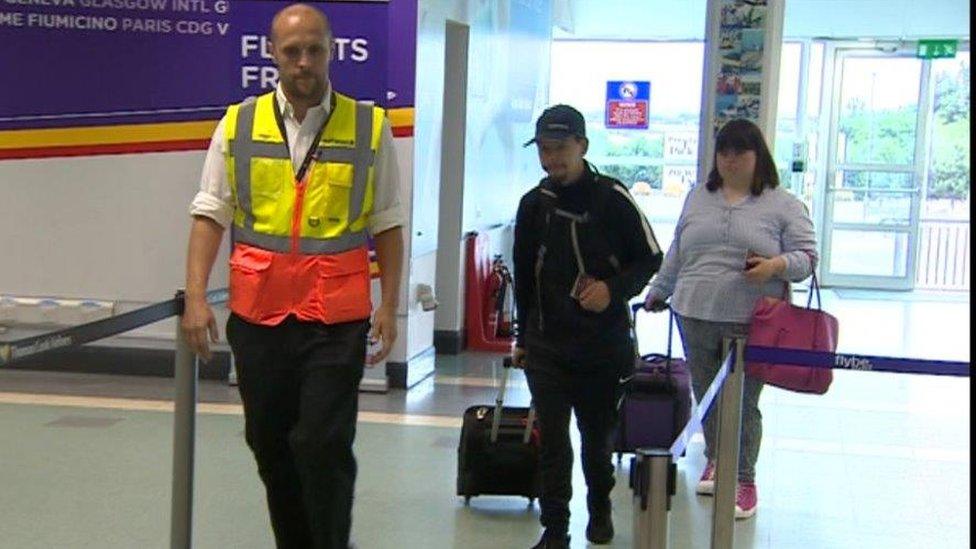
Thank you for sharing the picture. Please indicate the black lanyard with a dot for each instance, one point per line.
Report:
(300, 175)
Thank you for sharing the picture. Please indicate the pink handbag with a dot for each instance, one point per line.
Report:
(779, 323)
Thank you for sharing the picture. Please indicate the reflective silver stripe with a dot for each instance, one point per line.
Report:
(344, 155)
(339, 244)
(307, 246)
(242, 162)
(241, 235)
(363, 159)
(251, 149)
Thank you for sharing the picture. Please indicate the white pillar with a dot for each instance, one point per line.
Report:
(732, 32)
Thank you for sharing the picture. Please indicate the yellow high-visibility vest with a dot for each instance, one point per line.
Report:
(300, 247)
(338, 196)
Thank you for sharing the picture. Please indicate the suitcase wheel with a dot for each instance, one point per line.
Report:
(467, 500)
(531, 502)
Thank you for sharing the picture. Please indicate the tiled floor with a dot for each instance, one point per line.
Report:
(880, 461)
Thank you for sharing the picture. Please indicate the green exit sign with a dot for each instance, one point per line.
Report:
(936, 49)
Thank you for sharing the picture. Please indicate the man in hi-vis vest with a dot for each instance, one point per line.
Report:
(301, 176)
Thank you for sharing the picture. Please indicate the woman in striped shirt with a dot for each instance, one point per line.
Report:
(739, 237)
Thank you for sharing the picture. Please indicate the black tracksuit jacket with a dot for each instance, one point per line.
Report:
(616, 245)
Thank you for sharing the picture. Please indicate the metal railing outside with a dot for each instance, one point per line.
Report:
(943, 255)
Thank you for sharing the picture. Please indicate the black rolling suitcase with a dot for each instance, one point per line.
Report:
(499, 450)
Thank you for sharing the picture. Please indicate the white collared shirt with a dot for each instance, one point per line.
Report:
(214, 198)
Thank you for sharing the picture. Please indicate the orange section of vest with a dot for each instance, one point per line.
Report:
(266, 286)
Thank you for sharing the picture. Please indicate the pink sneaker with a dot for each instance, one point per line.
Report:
(706, 484)
(746, 500)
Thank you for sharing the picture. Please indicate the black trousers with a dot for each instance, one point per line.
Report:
(560, 386)
(299, 383)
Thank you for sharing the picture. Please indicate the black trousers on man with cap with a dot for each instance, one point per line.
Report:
(561, 387)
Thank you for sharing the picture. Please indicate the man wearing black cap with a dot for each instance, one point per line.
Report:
(582, 250)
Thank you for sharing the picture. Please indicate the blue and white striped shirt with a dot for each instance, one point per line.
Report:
(703, 269)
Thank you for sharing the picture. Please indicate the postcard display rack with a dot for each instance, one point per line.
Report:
(743, 43)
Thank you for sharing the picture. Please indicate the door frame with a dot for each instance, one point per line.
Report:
(834, 55)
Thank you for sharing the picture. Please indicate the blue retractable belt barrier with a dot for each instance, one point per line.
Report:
(702, 410)
(100, 329)
(795, 357)
(818, 359)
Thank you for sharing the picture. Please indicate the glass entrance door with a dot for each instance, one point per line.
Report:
(875, 156)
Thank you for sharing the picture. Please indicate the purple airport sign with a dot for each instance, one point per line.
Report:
(96, 62)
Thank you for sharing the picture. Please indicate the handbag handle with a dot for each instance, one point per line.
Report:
(814, 283)
(814, 287)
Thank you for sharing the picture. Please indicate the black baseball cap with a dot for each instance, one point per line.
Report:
(558, 122)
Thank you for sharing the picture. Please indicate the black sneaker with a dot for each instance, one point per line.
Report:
(552, 541)
(600, 528)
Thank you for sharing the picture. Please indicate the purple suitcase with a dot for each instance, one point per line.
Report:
(656, 401)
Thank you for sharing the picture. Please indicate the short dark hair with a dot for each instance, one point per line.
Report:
(741, 135)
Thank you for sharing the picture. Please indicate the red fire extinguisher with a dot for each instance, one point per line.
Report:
(494, 285)
(500, 322)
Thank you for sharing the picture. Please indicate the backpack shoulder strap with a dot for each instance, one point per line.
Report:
(545, 209)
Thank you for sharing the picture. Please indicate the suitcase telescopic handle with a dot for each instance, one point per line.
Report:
(496, 419)
(635, 307)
